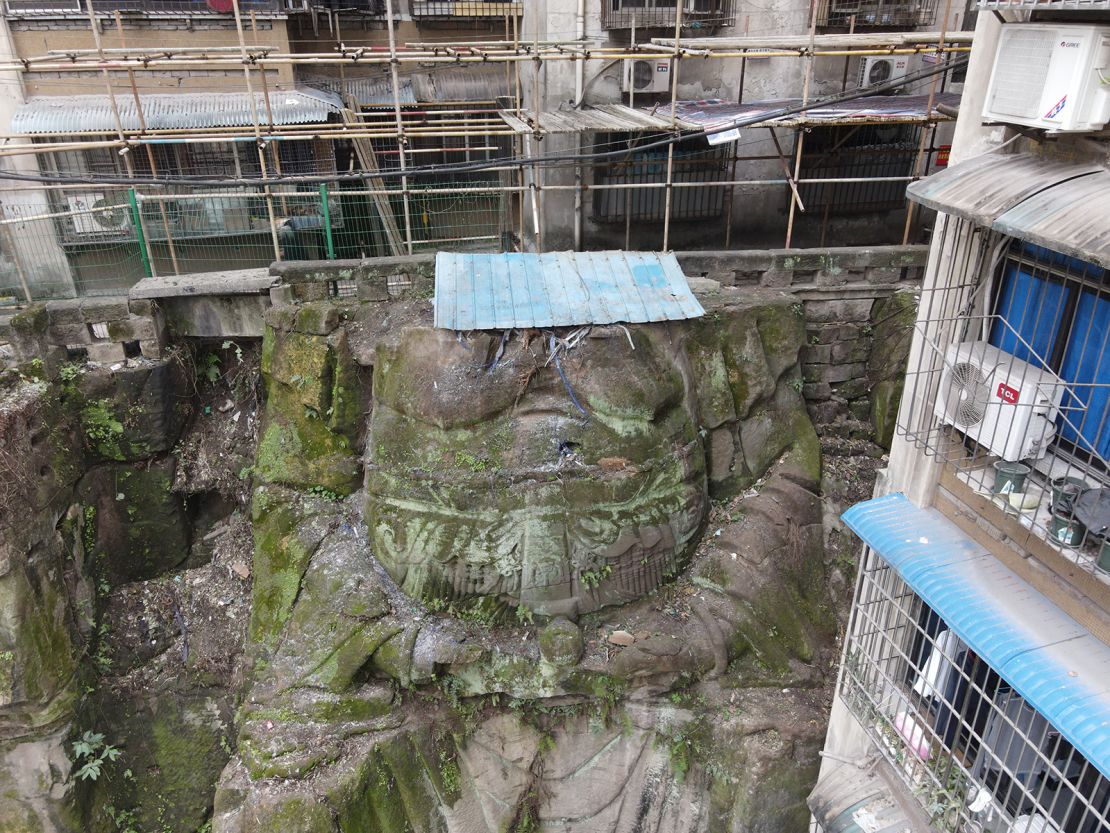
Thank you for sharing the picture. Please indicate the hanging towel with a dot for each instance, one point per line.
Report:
(933, 679)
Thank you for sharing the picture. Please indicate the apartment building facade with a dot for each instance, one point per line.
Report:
(974, 689)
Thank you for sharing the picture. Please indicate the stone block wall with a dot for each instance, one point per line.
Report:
(859, 308)
(108, 329)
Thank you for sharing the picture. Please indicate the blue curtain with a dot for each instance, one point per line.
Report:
(1085, 366)
(1032, 307)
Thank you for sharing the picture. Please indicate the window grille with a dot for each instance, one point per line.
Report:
(694, 161)
(876, 15)
(1042, 321)
(696, 14)
(46, 8)
(445, 9)
(858, 152)
(970, 749)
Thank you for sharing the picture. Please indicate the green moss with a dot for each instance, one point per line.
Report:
(31, 321)
(280, 560)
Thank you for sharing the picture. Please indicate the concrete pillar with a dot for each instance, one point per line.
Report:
(35, 244)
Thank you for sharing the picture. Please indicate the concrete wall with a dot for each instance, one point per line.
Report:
(32, 249)
(37, 35)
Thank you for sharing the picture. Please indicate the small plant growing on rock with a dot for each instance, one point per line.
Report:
(91, 753)
(103, 429)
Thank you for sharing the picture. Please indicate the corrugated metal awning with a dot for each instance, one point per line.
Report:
(502, 291)
(1045, 655)
(983, 189)
(1070, 218)
(852, 800)
(79, 114)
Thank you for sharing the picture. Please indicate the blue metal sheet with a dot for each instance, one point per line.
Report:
(502, 291)
(1048, 657)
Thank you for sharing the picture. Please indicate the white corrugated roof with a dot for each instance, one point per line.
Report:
(161, 111)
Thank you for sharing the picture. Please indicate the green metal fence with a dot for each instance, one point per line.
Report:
(64, 242)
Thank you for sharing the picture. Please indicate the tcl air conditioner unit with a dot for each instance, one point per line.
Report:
(875, 70)
(999, 401)
(644, 75)
(1052, 76)
(95, 214)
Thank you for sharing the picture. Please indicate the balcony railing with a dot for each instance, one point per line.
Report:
(454, 9)
(877, 14)
(975, 754)
(656, 14)
(48, 8)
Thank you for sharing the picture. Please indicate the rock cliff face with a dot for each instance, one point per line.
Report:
(525, 581)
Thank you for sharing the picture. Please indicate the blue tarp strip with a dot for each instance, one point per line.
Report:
(1045, 655)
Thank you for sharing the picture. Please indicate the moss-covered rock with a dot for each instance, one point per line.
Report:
(132, 413)
(313, 409)
(173, 745)
(141, 527)
(892, 333)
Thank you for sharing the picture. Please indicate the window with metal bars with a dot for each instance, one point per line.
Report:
(976, 755)
(694, 161)
(857, 153)
(878, 14)
(446, 9)
(624, 14)
(1011, 387)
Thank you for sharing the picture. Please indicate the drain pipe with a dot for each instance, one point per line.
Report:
(579, 94)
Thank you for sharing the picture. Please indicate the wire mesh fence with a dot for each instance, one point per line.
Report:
(68, 242)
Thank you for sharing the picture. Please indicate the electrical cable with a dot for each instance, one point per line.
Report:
(509, 162)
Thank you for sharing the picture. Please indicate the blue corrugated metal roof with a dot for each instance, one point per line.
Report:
(502, 291)
(161, 111)
(1048, 657)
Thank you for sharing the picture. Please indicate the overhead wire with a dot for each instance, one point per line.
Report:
(541, 161)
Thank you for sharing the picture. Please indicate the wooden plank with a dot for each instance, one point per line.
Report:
(369, 162)
(1076, 591)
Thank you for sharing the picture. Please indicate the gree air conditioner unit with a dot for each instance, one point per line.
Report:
(999, 401)
(879, 69)
(96, 214)
(1052, 76)
(646, 75)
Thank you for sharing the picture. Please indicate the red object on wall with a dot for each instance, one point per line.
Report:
(221, 6)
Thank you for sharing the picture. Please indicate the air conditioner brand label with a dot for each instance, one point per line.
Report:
(1056, 108)
(1007, 393)
(1069, 44)
(662, 68)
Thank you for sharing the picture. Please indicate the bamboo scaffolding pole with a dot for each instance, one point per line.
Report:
(669, 194)
(149, 149)
(925, 132)
(795, 201)
(401, 140)
(150, 62)
(257, 126)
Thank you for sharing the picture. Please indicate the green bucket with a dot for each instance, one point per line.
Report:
(1009, 477)
(1073, 487)
(1067, 530)
(1104, 555)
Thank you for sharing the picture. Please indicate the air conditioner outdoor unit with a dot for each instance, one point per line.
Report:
(999, 401)
(1052, 76)
(97, 214)
(879, 69)
(646, 75)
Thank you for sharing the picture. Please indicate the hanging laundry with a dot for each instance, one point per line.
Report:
(941, 664)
